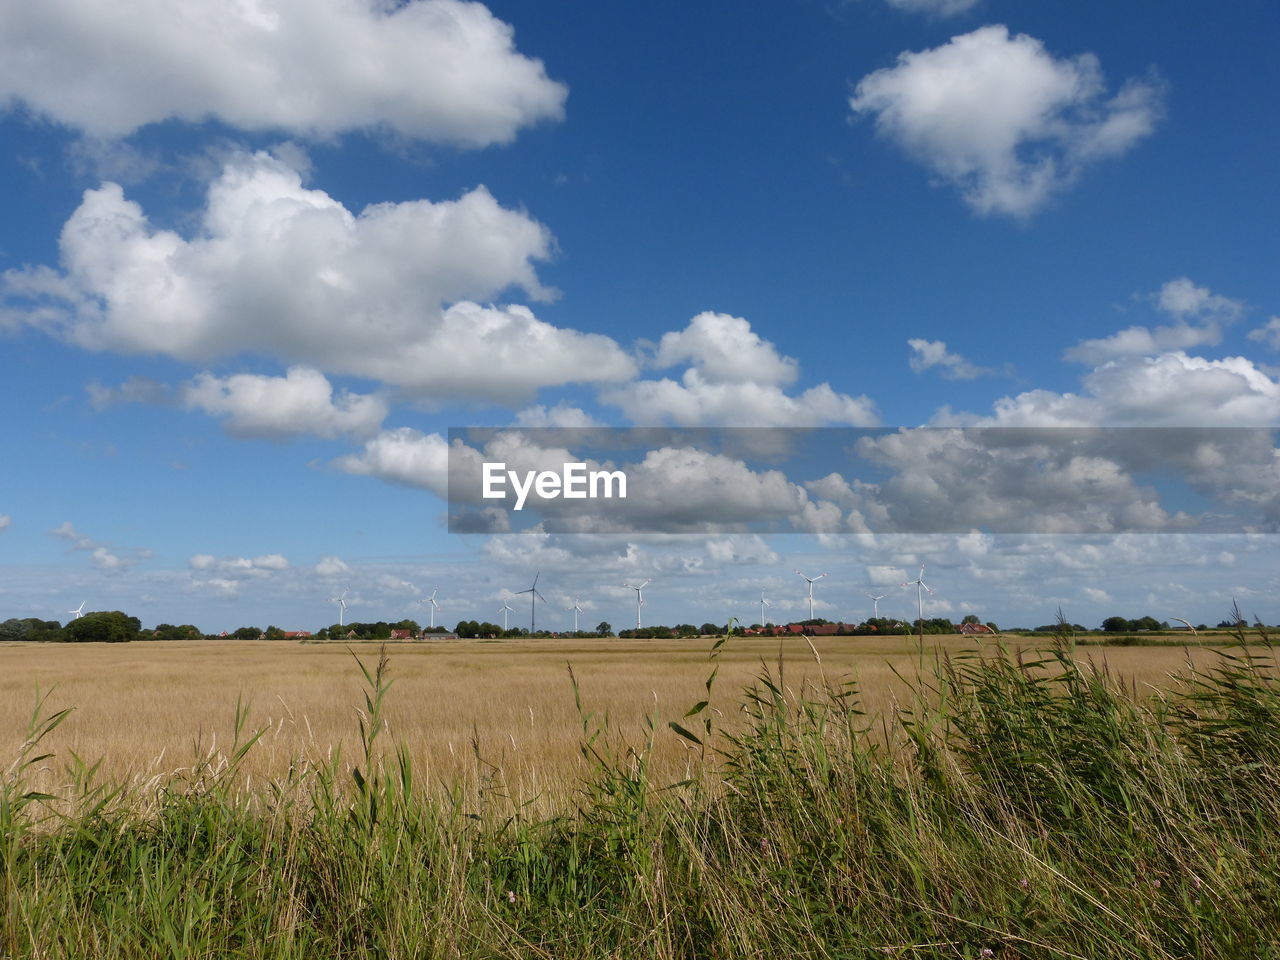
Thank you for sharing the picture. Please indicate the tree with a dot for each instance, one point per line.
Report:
(31, 629)
(971, 618)
(274, 633)
(103, 626)
(1116, 625)
(247, 633)
(167, 631)
(604, 628)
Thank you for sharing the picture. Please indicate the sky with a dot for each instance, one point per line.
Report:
(258, 258)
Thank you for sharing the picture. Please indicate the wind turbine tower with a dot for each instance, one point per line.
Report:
(504, 610)
(875, 605)
(78, 612)
(341, 601)
(639, 597)
(763, 603)
(534, 597)
(811, 581)
(576, 610)
(431, 602)
(921, 589)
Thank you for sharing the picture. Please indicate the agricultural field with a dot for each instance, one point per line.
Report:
(151, 709)
(469, 800)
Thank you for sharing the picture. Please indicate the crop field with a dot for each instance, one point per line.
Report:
(468, 800)
(464, 709)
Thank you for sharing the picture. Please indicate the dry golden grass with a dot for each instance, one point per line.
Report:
(148, 709)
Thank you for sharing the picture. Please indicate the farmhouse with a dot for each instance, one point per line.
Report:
(970, 629)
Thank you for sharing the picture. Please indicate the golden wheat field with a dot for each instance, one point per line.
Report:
(499, 711)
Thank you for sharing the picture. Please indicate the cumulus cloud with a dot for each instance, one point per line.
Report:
(403, 456)
(561, 415)
(1002, 119)
(6, 521)
(331, 567)
(1268, 333)
(934, 353)
(694, 402)
(284, 271)
(1138, 341)
(439, 70)
(734, 378)
(1182, 300)
(724, 349)
(1172, 389)
(300, 402)
(956, 480)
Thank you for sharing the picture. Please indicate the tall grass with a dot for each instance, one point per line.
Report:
(1013, 806)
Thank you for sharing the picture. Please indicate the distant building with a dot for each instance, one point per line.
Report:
(970, 629)
(403, 635)
(294, 634)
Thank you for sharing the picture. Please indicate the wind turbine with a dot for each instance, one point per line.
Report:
(78, 611)
(576, 610)
(504, 610)
(811, 581)
(341, 601)
(534, 597)
(639, 597)
(875, 605)
(921, 589)
(763, 603)
(431, 602)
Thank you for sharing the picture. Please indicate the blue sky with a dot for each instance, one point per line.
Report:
(258, 258)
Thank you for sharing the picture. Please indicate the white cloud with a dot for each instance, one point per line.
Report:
(938, 8)
(1173, 389)
(734, 378)
(403, 456)
(1141, 341)
(934, 353)
(280, 270)
(724, 349)
(1182, 300)
(432, 69)
(879, 575)
(560, 416)
(302, 401)
(69, 533)
(1002, 119)
(331, 567)
(6, 521)
(1268, 333)
(956, 480)
(237, 567)
(99, 553)
(694, 402)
